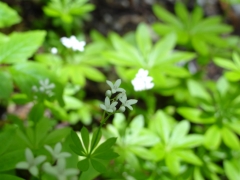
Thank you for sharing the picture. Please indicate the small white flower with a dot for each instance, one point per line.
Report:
(127, 103)
(108, 106)
(115, 87)
(73, 43)
(45, 87)
(35, 89)
(142, 81)
(54, 50)
(31, 162)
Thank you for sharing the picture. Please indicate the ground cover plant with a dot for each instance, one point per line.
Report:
(158, 102)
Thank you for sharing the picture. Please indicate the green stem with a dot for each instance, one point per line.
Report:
(80, 174)
(100, 127)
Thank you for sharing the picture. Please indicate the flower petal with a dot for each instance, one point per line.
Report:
(110, 84)
(117, 83)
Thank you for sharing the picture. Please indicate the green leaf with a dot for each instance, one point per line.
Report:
(126, 50)
(230, 138)
(233, 75)
(42, 128)
(8, 16)
(92, 73)
(98, 165)
(182, 12)
(200, 45)
(85, 138)
(189, 141)
(9, 160)
(77, 147)
(105, 155)
(83, 165)
(36, 112)
(6, 85)
(21, 46)
(197, 15)
(232, 169)
(236, 59)
(162, 29)
(193, 115)
(82, 10)
(56, 135)
(9, 177)
(197, 174)
(235, 126)
(225, 63)
(143, 39)
(176, 71)
(197, 90)
(179, 131)
(173, 163)
(97, 134)
(6, 137)
(142, 152)
(137, 124)
(164, 15)
(106, 145)
(212, 137)
(72, 103)
(162, 49)
(188, 156)
(163, 125)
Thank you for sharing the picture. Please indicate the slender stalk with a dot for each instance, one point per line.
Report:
(99, 128)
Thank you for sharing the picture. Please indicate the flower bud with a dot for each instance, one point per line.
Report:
(122, 109)
(108, 93)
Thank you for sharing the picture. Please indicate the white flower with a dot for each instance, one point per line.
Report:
(31, 162)
(73, 43)
(108, 106)
(115, 87)
(142, 81)
(60, 171)
(45, 87)
(127, 103)
(54, 50)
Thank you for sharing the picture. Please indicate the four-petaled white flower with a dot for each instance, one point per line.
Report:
(60, 171)
(73, 43)
(45, 87)
(56, 151)
(108, 106)
(115, 87)
(142, 81)
(127, 103)
(31, 163)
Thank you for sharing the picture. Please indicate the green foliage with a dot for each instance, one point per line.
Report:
(132, 140)
(20, 46)
(175, 144)
(93, 152)
(220, 110)
(159, 59)
(233, 67)
(66, 9)
(8, 16)
(192, 29)
(185, 128)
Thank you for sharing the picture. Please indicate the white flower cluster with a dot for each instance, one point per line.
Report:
(110, 104)
(142, 81)
(73, 43)
(45, 87)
